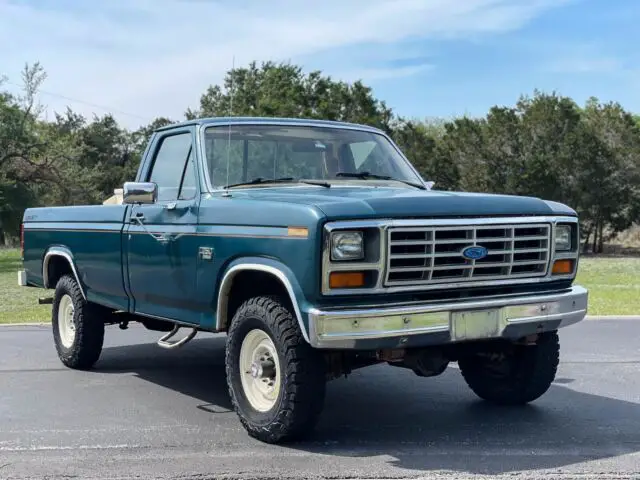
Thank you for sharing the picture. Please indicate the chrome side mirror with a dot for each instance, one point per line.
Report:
(140, 192)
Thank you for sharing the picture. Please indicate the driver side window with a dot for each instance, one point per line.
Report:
(173, 169)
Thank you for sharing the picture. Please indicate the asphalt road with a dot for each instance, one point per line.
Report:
(150, 413)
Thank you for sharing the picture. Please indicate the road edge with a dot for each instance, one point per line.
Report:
(26, 324)
(612, 317)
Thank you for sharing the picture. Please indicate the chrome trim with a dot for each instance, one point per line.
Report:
(384, 225)
(227, 283)
(430, 262)
(234, 231)
(201, 161)
(139, 193)
(329, 266)
(380, 322)
(85, 230)
(226, 123)
(164, 342)
(57, 252)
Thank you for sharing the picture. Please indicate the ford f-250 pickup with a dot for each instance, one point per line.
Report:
(318, 249)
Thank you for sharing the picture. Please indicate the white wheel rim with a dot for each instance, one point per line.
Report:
(66, 325)
(259, 370)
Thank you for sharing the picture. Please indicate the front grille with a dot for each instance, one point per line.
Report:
(431, 255)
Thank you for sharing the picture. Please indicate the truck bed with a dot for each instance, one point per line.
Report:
(93, 237)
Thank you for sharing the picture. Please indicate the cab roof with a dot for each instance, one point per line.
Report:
(206, 121)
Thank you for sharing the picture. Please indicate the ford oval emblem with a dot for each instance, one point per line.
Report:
(475, 253)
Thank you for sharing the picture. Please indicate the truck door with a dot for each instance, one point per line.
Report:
(162, 247)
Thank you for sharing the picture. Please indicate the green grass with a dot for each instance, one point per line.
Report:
(613, 283)
(18, 304)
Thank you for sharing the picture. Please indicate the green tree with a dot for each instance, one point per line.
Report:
(25, 159)
(419, 141)
(37, 158)
(548, 122)
(463, 147)
(609, 185)
(284, 90)
(544, 145)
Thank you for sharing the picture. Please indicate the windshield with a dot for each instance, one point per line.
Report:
(333, 155)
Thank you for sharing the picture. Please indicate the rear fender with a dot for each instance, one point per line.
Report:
(65, 254)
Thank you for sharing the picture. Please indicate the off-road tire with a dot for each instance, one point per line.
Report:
(302, 388)
(89, 327)
(530, 371)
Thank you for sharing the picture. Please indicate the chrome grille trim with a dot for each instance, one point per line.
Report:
(380, 262)
(431, 254)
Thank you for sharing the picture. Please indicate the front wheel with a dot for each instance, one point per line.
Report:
(78, 327)
(276, 379)
(516, 376)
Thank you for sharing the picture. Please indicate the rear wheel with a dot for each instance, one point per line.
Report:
(516, 376)
(276, 379)
(78, 327)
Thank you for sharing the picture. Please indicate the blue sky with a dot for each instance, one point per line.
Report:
(426, 58)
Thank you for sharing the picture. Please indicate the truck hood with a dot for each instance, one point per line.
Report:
(340, 203)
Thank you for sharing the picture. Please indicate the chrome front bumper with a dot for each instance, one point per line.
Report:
(433, 324)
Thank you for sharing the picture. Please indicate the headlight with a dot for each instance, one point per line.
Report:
(563, 238)
(346, 246)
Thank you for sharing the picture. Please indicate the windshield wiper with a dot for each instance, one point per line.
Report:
(365, 175)
(316, 182)
(260, 180)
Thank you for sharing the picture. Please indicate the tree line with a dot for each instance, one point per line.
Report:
(546, 145)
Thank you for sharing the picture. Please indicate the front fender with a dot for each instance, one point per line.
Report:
(268, 265)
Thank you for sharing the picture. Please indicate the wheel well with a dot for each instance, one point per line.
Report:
(247, 284)
(56, 268)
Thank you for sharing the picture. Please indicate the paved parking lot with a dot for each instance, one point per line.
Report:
(150, 413)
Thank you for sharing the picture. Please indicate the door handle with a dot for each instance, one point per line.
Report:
(138, 218)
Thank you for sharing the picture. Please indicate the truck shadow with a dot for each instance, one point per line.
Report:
(431, 424)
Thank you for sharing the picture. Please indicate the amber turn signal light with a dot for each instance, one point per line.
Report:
(298, 232)
(562, 267)
(346, 279)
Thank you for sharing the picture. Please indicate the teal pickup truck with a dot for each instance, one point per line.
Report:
(318, 249)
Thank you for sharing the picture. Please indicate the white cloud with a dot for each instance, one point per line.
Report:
(591, 58)
(155, 57)
(586, 65)
(373, 74)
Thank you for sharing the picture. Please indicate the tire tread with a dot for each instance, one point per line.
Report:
(533, 379)
(302, 370)
(89, 339)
